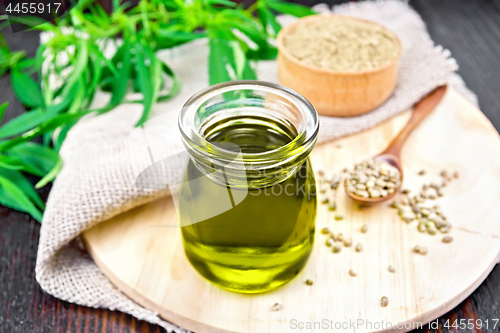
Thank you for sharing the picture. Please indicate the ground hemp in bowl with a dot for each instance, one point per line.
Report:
(373, 179)
(342, 44)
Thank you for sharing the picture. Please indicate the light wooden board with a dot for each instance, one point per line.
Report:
(141, 251)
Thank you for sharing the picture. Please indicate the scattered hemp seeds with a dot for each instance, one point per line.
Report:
(335, 241)
(309, 282)
(326, 184)
(420, 250)
(429, 216)
(419, 207)
(276, 307)
(373, 179)
(346, 45)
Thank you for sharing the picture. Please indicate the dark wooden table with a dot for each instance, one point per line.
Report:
(470, 29)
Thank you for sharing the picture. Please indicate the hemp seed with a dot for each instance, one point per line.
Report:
(359, 247)
(337, 248)
(447, 239)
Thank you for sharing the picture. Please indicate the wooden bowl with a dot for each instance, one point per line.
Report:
(336, 93)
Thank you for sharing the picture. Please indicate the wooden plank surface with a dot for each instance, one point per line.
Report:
(141, 250)
(470, 29)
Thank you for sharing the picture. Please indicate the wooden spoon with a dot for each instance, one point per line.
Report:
(392, 154)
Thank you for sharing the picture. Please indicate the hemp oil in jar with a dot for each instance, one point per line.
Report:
(265, 200)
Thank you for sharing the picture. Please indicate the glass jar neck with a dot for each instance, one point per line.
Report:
(248, 133)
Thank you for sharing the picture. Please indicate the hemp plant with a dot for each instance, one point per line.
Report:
(73, 64)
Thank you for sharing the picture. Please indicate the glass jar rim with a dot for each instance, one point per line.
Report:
(299, 144)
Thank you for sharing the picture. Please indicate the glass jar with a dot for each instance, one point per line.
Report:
(247, 204)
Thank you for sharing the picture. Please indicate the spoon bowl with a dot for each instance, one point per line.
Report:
(389, 159)
(392, 154)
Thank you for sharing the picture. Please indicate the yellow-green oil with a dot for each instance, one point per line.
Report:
(265, 240)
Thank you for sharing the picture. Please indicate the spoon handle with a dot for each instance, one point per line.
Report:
(420, 111)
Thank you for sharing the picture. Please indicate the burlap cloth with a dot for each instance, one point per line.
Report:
(97, 181)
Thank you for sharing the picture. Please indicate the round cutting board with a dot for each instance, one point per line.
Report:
(141, 250)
